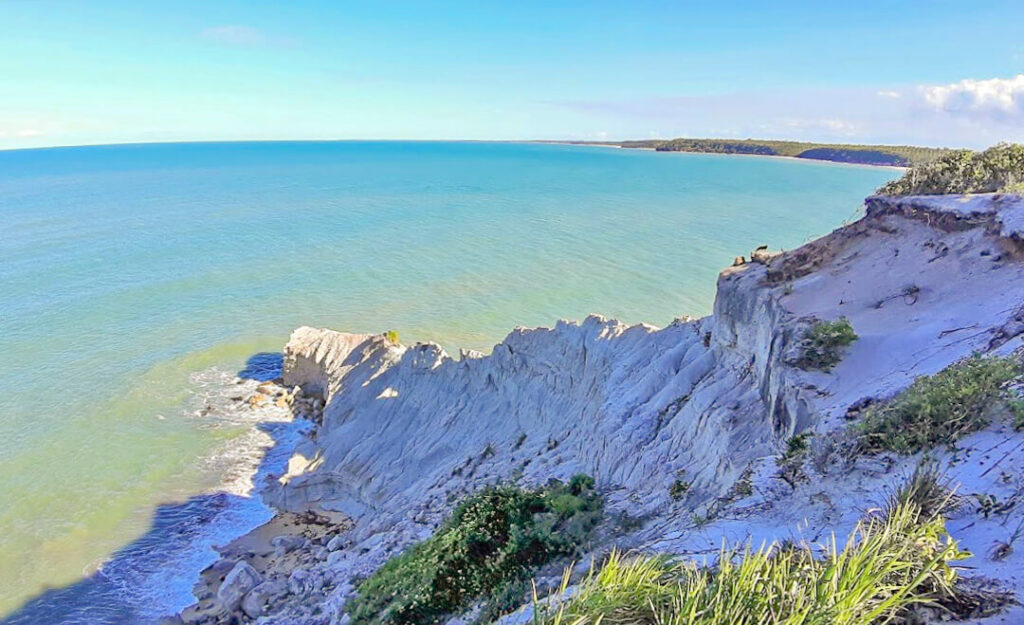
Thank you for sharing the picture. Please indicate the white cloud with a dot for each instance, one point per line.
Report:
(998, 97)
(238, 35)
(21, 129)
(970, 113)
(235, 35)
(840, 127)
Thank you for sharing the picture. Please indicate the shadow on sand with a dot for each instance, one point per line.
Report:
(153, 575)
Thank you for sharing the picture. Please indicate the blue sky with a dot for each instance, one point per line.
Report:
(928, 72)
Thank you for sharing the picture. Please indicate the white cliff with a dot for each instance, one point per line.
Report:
(924, 281)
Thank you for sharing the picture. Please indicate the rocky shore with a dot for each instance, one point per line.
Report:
(403, 432)
(267, 564)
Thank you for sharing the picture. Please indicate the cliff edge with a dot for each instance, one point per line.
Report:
(408, 430)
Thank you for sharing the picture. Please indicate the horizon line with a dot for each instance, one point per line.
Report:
(607, 142)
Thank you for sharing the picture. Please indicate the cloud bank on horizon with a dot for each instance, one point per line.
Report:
(969, 112)
(881, 72)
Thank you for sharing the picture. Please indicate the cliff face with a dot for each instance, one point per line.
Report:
(407, 430)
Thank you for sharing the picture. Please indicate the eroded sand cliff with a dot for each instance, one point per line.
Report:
(406, 431)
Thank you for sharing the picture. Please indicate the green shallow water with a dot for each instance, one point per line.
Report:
(127, 271)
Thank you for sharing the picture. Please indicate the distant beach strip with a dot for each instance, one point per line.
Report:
(880, 155)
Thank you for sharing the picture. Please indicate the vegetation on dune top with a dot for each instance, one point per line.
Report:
(939, 409)
(997, 169)
(886, 567)
(488, 547)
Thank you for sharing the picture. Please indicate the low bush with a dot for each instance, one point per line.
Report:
(1017, 410)
(822, 344)
(938, 409)
(999, 168)
(493, 540)
(391, 336)
(678, 489)
(887, 566)
(791, 462)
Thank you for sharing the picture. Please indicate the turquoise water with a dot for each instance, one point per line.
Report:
(131, 276)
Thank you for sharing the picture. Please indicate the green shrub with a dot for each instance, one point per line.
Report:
(1017, 410)
(821, 347)
(792, 460)
(938, 409)
(678, 489)
(492, 540)
(999, 168)
(886, 566)
(796, 447)
(391, 336)
(580, 483)
(507, 598)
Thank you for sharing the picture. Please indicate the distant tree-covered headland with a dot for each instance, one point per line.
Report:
(891, 155)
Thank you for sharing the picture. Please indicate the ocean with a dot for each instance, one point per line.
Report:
(136, 281)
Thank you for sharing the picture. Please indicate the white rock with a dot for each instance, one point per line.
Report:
(255, 601)
(286, 543)
(302, 582)
(337, 542)
(240, 580)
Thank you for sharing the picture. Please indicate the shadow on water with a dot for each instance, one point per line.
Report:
(153, 575)
(116, 594)
(263, 367)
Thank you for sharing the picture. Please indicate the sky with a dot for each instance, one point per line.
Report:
(926, 72)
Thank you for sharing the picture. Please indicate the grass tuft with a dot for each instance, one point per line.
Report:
(492, 541)
(887, 566)
(391, 336)
(822, 344)
(791, 462)
(938, 409)
(928, 489)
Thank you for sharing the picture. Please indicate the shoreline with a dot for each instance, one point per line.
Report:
(246, 463)
(155, 574)
(285, 543)
(259, 561)
(779, 156)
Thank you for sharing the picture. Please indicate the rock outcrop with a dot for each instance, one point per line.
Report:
(406, 431)
(240, 579)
